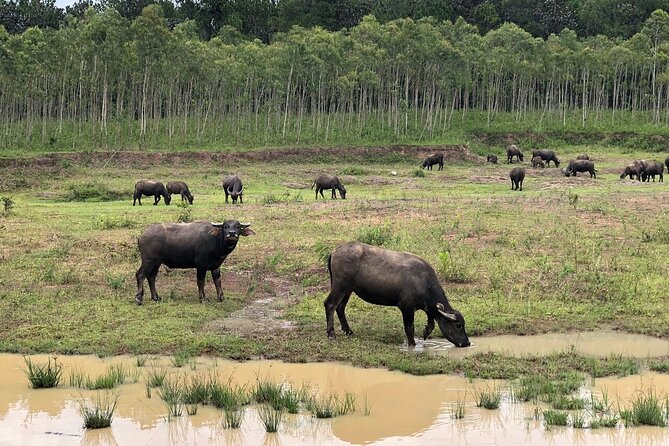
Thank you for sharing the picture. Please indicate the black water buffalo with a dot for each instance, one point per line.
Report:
(383, 277)
(492, 158)
(150, 188)
(576, 166)
(583, 157)
(517, 176)
(642, 163)
(201, 245)
(181, 188)
(537, 162)
(329, 182)
(437, 158)
(512, 151)
(234, 188)
(633, 171)
(666, 162)
(548, 156)
(651, 170)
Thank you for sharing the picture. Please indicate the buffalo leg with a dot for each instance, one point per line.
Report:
(140, 275)
(201, 274)
(321, 191)
(226, 196)
(316, 192)
(429, 327)
(521, 185)
(216, 275)
(151, 278)
(341, 314)
(334, 193)
(407, 317)
(134, 200)
(241, 200)
(331, 303)
(156, 199)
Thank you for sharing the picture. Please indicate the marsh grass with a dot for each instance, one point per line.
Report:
(191, 409)
(555, 418)
(233, 417)
(648, 409)
(266, 391)
(45, 375)
(489, 398)
(180, 359)
(197, 391)
(172, 392)
(155, 377)
(270, 417)
(99, 413)
(604, 421)
(332, 405)
(227, 396)
(458, 409)
(114, 376)
(578, 420)
(290, 400)
(563, 402)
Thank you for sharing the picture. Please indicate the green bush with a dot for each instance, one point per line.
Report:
(93, 191)
(376, 235)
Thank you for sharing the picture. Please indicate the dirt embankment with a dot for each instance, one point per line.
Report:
(129, 159)
(632, 140)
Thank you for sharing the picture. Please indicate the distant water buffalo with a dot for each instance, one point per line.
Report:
(492, 158)
(583, 157)
(512, 151)
(200, 245)
(181, 188)
(517, 176)
(329, 182)
(234, 188)
(633, 171)
(652, 170)
(437, 158)
(666, 162)
(642, 163)
(547, 156)
(576, 166)
(537, 162)
(150, 188)
(383, 277)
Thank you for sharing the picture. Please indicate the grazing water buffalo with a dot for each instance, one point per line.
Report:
(179, 187)
(492, 158)
(580, 166)
(437, 158)
(537, 162)
(517, 176)
(651, 170)
(633, 171)
(512, 151)
(399, 279)
(548, 156)
(666, 162)
(150, 188)
(201, 245)
(329, 182)
(642, 163)
(583, 157)
(233, 187)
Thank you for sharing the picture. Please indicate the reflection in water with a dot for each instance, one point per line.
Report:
(404, 409)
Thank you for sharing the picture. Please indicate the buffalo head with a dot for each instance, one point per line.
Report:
(342, 191)
(168, 198)
(231, 230)
(452, 326)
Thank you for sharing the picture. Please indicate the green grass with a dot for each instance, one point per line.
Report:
(648, 408)
(43, 375)
(489, 398)
(496, 268)
(270, 417)
(99, 413)
(555, 418)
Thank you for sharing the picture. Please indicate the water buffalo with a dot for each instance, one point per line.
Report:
(517, 176)
(329, 182)
(179, 187)
(150, 188)
(201, 245)
(537, 162)
(583, 157)
(437, 158)
(651, 170)
(666, 162)
(234, 188)
(642, 163)
(548, 156)
(576, 166)
(633, 171)
(492, 158)
(512, 151)
(383, 277)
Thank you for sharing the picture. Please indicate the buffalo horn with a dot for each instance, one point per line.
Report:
(451, 316)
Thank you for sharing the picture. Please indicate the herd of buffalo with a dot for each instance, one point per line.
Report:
(377, 275)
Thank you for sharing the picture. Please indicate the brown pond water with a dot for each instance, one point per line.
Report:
(596, 343)
(405, 409)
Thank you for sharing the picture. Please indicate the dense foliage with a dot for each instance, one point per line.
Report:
(105, 80)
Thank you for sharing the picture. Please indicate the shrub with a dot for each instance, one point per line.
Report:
(7, 205)
(92, 191)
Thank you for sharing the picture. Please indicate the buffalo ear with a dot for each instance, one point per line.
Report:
(440, 309)
(246, 230)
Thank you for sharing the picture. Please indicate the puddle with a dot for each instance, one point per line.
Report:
(596, 343)
(405, 409)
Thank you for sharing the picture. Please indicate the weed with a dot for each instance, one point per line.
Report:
(93, 190)
(290, 400)
(42, 376)
(99, 413)
(7, 205)
(659, 366)
(140, 360)
(114, 221)
(172, 393)
(555, 418)
(564, 402)
(196, 391)
(366, 407)
(578, 420)
(156, 377)
(115, 282)
(376, 235)
(78, 378)
(184, 215)
(270, 417)
(458, 409)
(419, 173)
(323, 250)
(191, 409)
(489, 398)
(451, 270)
(233, 417)
(180, 359)
(227, 396)
(604, 421)
(266, 392)
(647, 409)
(286, 197)
(353, 170)
(115, 375)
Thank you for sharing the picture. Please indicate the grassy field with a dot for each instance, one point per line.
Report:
(565, 254)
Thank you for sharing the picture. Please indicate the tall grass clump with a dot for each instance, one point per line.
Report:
(45, 375)
(156, 377)
(458, 409)
(266, 391)
(489, 398)
(172, 393)
(92, 191)
(114, 221)
(99, 413)
(196, 391)
(226, 396)
(648, 409)
(270, 417)
(114, 376)
(184, 215)
(555, 418)
(376, 235)
(233, 417)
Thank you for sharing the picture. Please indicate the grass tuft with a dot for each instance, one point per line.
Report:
(43, 376)
(99, 413)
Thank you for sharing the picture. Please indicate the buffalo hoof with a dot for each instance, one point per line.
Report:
(156, 299)
(138, 301)
(348, 332)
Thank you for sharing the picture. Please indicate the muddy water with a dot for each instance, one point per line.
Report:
(597, 343)
(404, 409)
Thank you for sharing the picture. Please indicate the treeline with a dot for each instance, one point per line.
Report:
(262, 19)
(108, 81)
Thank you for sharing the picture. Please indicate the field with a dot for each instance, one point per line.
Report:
(565, 254)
